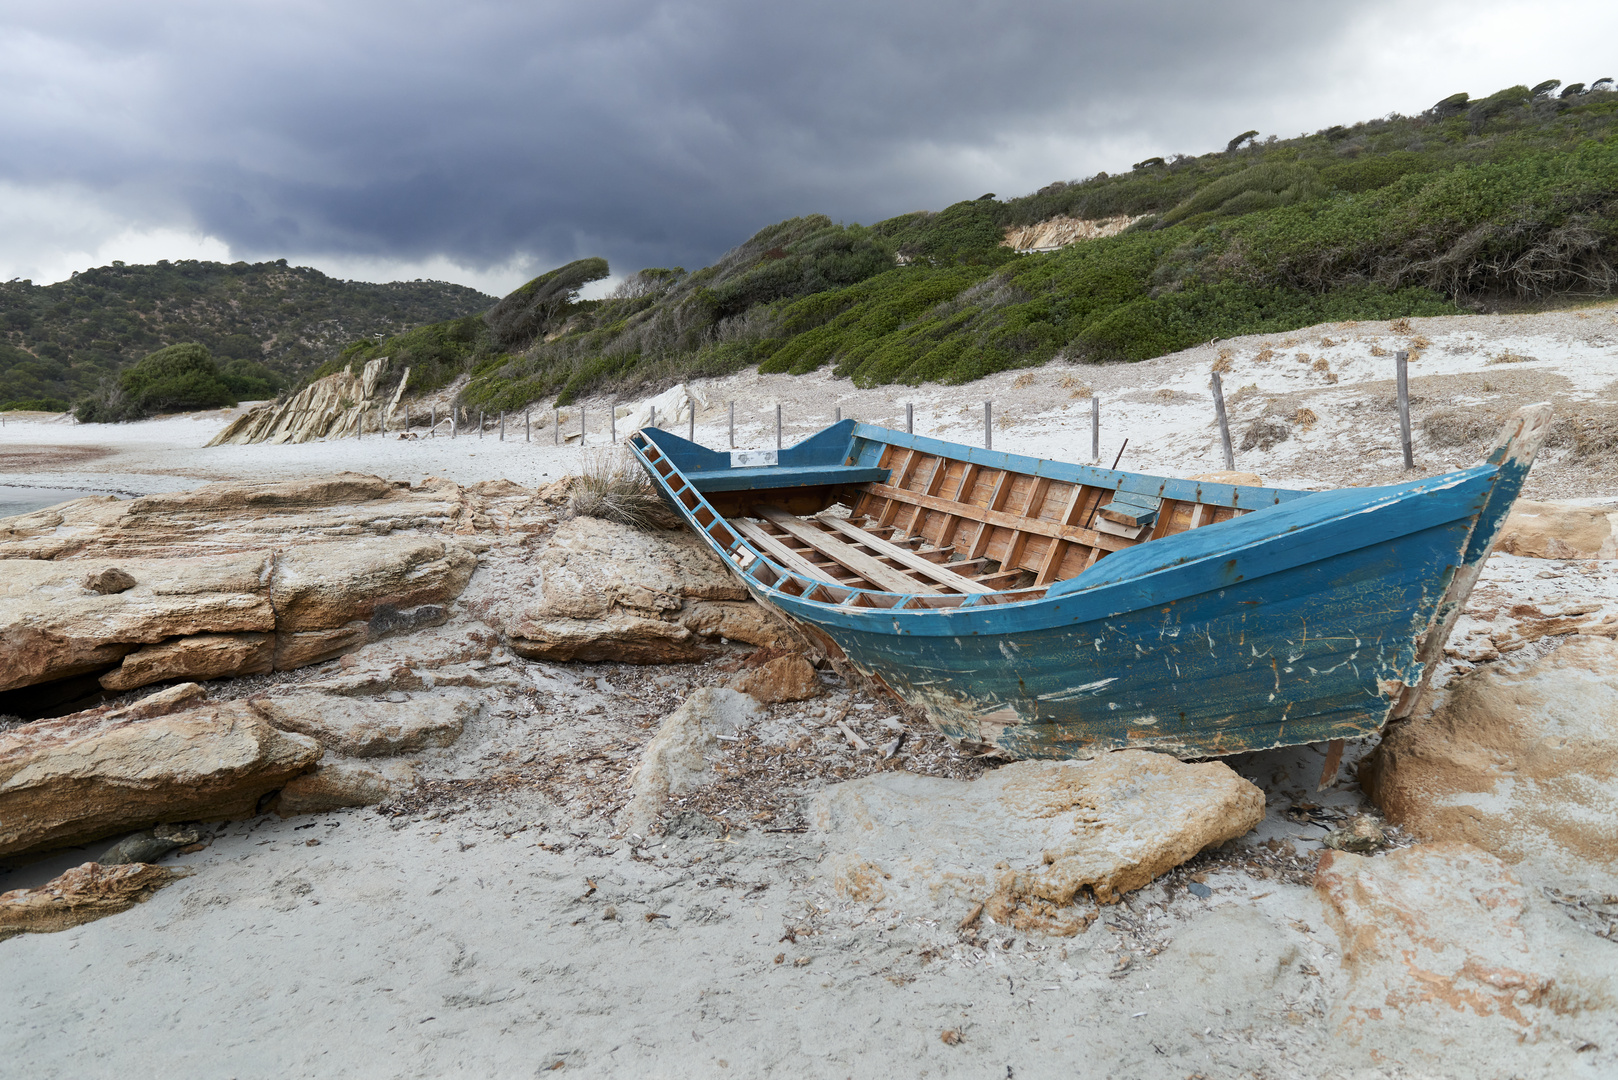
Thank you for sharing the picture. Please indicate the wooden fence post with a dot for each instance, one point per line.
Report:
(1400, 362)
(988, 425)
(778, 426)
(1224, 426)
(1095, 429)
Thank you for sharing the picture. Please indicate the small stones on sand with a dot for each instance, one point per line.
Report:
(109, 581)
(149, 846)
(1362, 833)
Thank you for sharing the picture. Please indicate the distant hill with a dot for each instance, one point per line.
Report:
(1508, 199)
(59, 342)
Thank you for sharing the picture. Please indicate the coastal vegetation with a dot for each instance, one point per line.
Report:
(1507, 200)
(264, 324)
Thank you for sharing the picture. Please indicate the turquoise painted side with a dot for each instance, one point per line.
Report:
(1297, 622)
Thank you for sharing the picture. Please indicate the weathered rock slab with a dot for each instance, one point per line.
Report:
(52, 626)
(338, 784)
(1521, 762)
(1026, 838)
(743, 621)
(619, 637)
(1437, 945)
(603, 591)
(681, 756)
(80, 895)
(74, 779)
(370, 727)
(201, 656)
(296, 649)
(325, 586)
(1560, 530)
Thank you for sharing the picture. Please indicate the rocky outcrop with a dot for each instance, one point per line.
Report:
(681, 756)
(1521, 762)
(339, 784)
(1061, 230)
(604, 591)
(370, 727)
(51, 626)
(79, 778)
(335, 406)
(1025, 839)
(234, 585)
(397, 581)
(1560, 530)
(80, 895)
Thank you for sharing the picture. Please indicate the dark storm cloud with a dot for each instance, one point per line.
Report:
(652, 133)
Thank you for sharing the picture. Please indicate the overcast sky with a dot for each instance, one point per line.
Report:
(483, 142)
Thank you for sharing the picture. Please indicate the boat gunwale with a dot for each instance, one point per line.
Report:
(1208, 492)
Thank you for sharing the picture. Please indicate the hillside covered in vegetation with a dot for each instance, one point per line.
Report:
(1474, 203)
(265, 324)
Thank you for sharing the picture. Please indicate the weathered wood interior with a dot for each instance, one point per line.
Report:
(945, 529)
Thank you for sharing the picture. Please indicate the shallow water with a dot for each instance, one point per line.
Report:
(19, 499)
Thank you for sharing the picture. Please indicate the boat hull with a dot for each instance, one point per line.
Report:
(1313, 618)
(1312, 653)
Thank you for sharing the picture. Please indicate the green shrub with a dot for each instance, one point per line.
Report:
(178, 378)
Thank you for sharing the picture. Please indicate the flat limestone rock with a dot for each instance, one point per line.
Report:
(80, 895)
(597, 591)
(743, 621)
(74, 779)
(619, 637)
(681, 756)
(1560, 530)
(1025, 838)
(51, 626)
(324, 586)
(370, 727)
(1521, 763)
(1445, 973)
(337, 784)
(200, 656)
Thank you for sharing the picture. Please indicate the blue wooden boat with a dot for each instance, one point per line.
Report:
(1053, 610)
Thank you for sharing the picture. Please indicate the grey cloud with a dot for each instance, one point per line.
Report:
(652, 133)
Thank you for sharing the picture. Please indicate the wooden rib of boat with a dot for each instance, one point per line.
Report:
(1056, 610)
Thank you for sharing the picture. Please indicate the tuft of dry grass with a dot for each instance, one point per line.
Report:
(1305, 418)
(1079, 388)
(1025, 379)
(1377, 350)
(1264, 433)
(1506, 356)
(613, 488)
(1223, 364)
(1401, 326)
(1321, 364)
(1459, 427)
(1265, 355)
